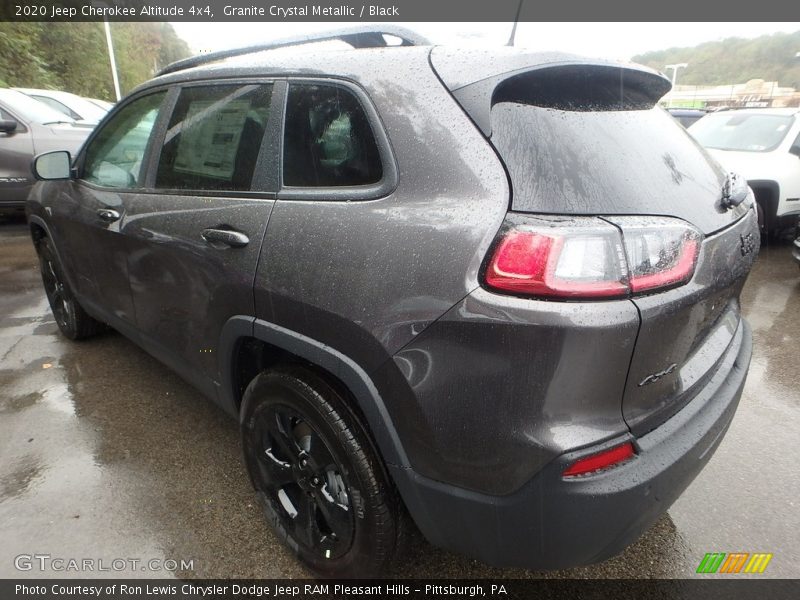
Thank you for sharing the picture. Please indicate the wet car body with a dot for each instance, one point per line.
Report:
(478, 401)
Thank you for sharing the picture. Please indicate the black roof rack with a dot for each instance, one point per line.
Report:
(363, 36)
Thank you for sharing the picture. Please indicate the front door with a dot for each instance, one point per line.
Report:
(90, 216)
(193, 237)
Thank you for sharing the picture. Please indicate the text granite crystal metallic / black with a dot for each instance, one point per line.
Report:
(490, 293)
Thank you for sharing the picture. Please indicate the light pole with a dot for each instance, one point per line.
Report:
(111, 59)
(675, 68)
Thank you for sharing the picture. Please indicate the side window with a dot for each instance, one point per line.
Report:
(214, 138)
(114, 158)
(328, 140)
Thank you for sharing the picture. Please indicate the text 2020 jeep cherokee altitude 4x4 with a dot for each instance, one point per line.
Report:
(495, 289)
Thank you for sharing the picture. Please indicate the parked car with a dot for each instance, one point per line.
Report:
(28, 128)
(327, 245)
(763, 144)
(686, 116)
(796, 246)
(75, 107)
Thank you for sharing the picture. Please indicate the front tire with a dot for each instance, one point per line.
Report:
(322, 486)
(70, 317)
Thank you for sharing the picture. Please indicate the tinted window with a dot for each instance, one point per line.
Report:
(615, 162)
(751, 132)
(114, 158)
(327, 139)
(214, 138)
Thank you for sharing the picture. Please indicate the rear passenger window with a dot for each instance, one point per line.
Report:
(327, 139)
(214, 138)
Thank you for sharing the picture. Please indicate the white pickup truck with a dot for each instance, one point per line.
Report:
(762, 145)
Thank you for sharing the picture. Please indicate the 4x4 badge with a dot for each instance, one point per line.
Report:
(656, 376)
(748, 243)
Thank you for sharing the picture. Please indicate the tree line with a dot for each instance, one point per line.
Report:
(733, 60)
(73, 57)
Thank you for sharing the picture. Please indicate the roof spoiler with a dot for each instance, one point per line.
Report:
(479, 79)
(362, 36)
(573, 87)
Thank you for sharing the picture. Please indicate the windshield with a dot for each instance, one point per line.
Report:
(84, 108)
(746, 132)
(31, 110)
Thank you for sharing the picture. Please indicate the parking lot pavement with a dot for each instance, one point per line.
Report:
(105, 453)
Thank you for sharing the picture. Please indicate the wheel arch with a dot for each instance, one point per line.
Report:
(39, 229)
(767, 195)
(283, 344)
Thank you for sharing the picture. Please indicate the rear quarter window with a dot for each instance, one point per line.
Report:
(328, 141)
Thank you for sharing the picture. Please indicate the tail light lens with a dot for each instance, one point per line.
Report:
(661, 252)
(601, 461)
(591, 258)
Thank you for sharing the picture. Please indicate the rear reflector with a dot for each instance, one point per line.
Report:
(590, 258)
(601, 461)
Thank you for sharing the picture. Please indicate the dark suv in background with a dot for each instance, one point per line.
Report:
(495, 290)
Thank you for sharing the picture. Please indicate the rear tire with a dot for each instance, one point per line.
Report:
(70, 317)
(321, 484)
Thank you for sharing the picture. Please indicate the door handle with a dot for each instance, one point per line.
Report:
(108, 214)
(234, 239)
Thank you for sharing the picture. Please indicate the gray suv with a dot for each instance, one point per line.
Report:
(491, 293)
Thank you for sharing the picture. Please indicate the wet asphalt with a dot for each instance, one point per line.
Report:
(105, 453)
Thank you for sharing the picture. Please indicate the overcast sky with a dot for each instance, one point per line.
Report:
(606, 40)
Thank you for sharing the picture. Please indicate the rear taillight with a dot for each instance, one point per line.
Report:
(601, 461)
(588, 257)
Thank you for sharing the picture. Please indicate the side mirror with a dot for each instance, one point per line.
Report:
(52, 165)
(795, 150)
(8, 126)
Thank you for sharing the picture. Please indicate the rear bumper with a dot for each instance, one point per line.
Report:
(555, 523)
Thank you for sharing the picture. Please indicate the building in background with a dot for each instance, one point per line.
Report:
(755, 93)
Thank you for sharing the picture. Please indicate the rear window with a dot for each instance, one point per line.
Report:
(214, 138)
(745, 132)
(602, 161)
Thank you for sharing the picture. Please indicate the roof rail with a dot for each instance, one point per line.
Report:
(362, 36)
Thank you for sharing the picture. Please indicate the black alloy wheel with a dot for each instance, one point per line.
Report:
(70, 317)
(317, 475)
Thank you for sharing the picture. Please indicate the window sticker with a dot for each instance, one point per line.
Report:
(210, 137)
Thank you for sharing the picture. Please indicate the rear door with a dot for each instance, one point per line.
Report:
(194, 234)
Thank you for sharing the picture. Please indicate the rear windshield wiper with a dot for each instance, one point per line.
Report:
(734, 191)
